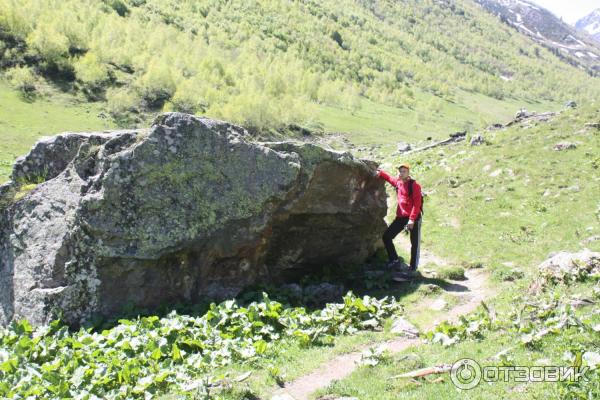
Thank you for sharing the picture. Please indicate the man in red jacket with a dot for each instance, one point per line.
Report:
(408, 215)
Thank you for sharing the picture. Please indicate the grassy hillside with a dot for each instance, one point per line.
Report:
(508, 205)
(517, 197)
(385, 125)
(22, 122)
(265, 63)
(380, 72)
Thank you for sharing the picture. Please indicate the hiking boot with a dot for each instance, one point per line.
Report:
(392, 264)
(402, 266)
(405, 275)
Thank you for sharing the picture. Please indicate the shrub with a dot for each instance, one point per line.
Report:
(157, 85)
(13, 20)
(330, 92)
(91, 72)
(121, 102)
(251, 109)
(118, 6)
(187, 99)
(23, 79)
(338, 38)
(49, 43)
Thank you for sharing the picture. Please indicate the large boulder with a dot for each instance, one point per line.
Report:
(188, 210)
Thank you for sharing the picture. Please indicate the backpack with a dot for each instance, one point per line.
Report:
(410, 193)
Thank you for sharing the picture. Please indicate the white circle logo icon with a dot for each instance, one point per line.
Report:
(465, 374)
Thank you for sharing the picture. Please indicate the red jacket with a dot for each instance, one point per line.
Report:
(407, 207)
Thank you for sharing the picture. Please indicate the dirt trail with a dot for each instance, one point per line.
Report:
(471, 292)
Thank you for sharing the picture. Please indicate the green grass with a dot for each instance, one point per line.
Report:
(384, 125)
(482, 236)
(453, 273)
(24, 122)
(507, 218)
(509, 235)
(292, 361)
(379, 382)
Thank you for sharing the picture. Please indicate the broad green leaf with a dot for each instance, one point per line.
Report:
(156, 354)
(176, 354)
(260, 346)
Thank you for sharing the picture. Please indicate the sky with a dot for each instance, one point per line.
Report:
(569, 10)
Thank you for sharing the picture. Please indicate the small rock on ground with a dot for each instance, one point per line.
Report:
(403, 327)
(438, 305)
(564, 146)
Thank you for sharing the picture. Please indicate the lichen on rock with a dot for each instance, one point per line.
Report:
(192, 208)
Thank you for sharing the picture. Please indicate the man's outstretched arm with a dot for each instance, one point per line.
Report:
(384, 175)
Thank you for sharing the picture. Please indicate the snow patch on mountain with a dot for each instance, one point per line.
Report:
(543, 27)
(590, 24)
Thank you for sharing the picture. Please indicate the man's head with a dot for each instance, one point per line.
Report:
(404, 170)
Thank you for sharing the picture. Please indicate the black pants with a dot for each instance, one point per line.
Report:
(415, 240)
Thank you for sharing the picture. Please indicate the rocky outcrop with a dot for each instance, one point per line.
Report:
(189, 209)
(526, 118)
(590, 24)
(565, 266)
(453, 138)
(403, 147)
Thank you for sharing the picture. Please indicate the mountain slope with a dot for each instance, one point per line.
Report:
(379, 72)
(590, 24)
(264, 63)
(549, 31)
